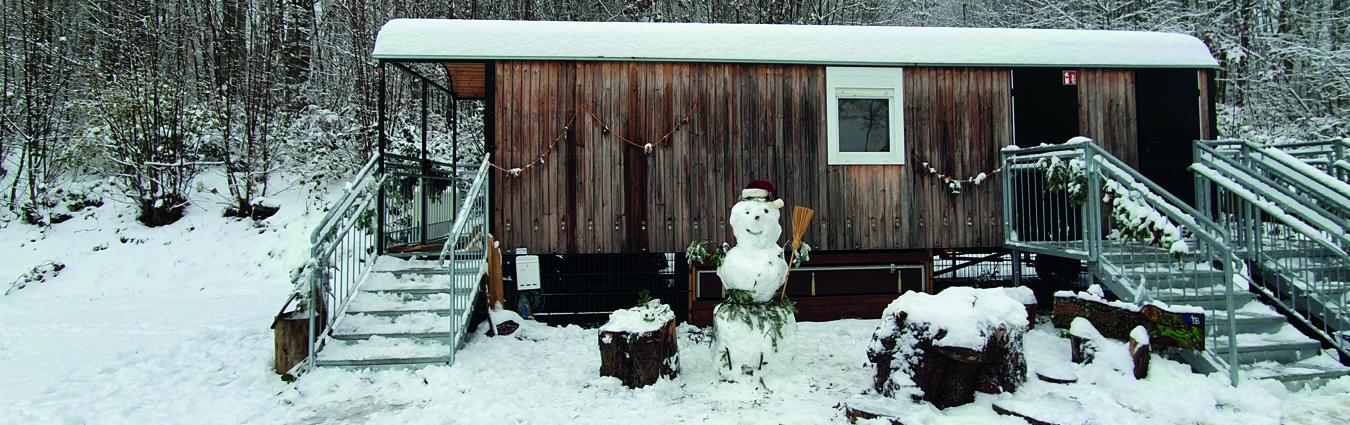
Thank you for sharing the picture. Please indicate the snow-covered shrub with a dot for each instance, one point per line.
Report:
(327, 145)
(1067, 176)
(151, 141)
(39, 273)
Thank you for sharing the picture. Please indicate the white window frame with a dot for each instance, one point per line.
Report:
(865, 83)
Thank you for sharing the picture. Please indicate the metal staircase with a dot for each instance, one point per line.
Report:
(371, 309)
(1074, 200)
(1287, 219)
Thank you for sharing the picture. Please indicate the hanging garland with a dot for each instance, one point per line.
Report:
(604, 129)
(952, 183)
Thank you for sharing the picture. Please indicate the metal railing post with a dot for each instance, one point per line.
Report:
(1094, 204)
(380, 135)
(1006, 188)
(425, 167)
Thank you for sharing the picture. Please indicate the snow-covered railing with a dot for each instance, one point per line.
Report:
(342, 251)
(464, 254)
(1289, 221)
(1320, 154)
(1074, 200)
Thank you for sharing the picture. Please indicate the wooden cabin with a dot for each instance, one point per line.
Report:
(632, 138)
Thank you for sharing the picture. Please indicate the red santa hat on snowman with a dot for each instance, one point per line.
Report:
(761, 190)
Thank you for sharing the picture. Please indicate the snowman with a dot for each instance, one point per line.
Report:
(752, 325)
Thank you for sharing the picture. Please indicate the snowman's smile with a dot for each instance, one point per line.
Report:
(754, 232)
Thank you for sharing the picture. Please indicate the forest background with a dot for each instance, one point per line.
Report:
(140, 96)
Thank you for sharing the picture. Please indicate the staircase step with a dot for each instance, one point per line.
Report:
(1208, 301)
(1173, 278)
(1247, 323)
(409, 362)
(1283, 352)
(387, 303)
(414, 323)
(381, 350)
(443, 312)
(1138, 254)
(421, 291)
(1287, 345)
(1318, 368)
(420, 284)
(445, 336)
(386, 264)
(390, 263)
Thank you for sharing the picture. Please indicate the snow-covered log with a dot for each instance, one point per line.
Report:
(1139, 349)
(638, 345)
(942, 348)
(1172, 326)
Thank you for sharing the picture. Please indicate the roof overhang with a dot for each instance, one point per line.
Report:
(459, 40)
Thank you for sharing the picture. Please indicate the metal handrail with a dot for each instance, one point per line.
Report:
(1027, 194)
(1256, 205)
(346, 199)
(1298, 200)
(465, 249)
(341, 253)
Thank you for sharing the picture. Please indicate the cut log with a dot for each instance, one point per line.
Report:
(1057, 375)
(855, 413)
(1139, 350)
(1182, 329)
(638, 345)
(1048, 410)
(946, 365)
(291, 332)
(1081, 341)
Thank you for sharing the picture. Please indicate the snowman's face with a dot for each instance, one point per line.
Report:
(755, 223)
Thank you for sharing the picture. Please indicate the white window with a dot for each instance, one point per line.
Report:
(866, 116)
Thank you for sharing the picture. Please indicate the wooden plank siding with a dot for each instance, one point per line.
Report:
(596, 193)
(1106, 111)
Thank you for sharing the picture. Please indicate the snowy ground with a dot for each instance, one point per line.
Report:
(170, 325)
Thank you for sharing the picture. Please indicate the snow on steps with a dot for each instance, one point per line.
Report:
(402, 317)
(1268, 346)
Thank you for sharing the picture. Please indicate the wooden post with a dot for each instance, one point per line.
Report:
(494, 259)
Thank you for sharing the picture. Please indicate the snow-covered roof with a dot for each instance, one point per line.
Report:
(444, 39)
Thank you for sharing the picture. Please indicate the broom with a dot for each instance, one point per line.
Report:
(801, 216)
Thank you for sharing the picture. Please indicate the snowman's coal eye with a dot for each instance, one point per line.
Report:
(747, 213)
(766, 210)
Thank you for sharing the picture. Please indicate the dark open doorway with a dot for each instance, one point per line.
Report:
(1168, 109)
(1045, 110)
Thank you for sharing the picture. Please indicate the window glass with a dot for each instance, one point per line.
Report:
(864, 125)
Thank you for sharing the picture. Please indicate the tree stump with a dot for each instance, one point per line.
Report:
(1025, 296)
(290, 332)
(1082, 337)
(639, 351)
(1139, 350)
(943, 348)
